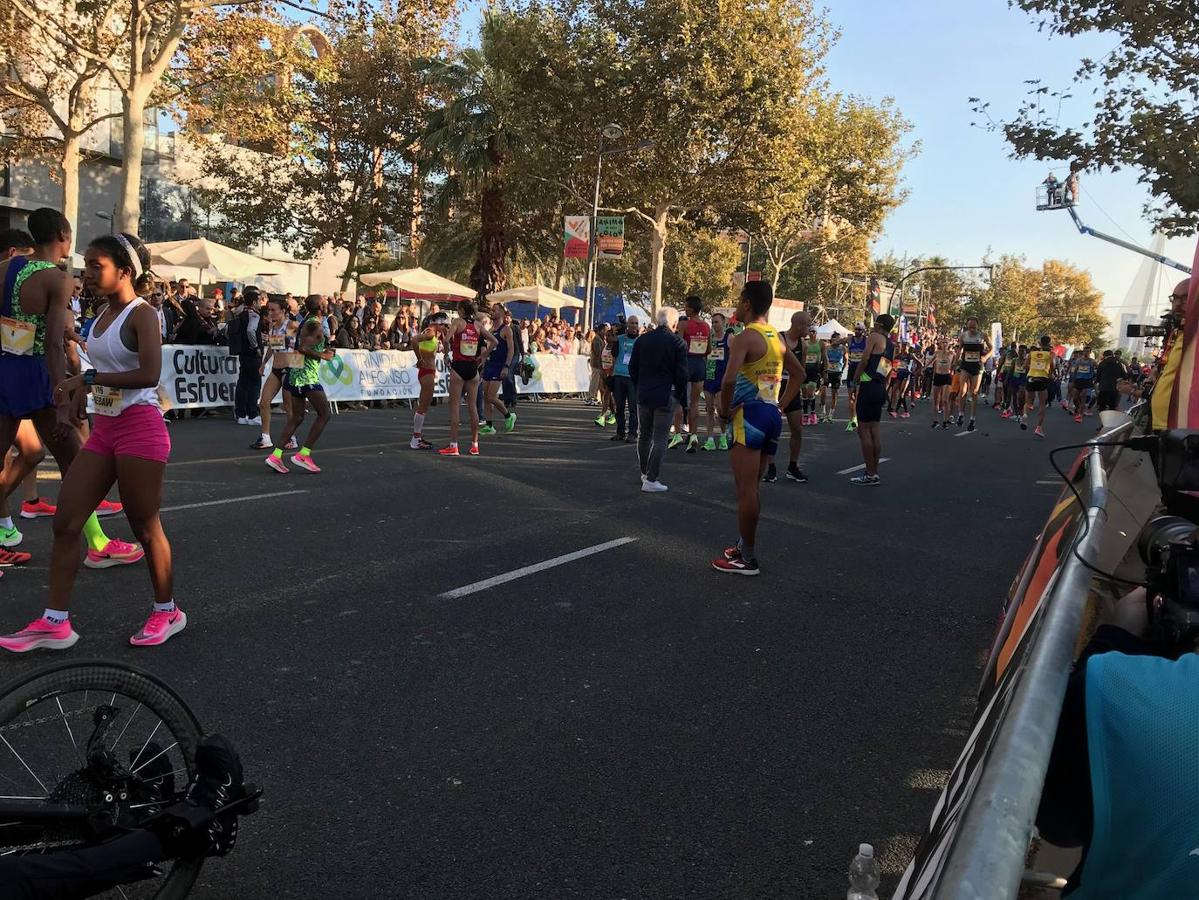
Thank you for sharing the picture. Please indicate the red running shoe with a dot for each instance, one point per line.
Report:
(737, 566)
(448, 451)
(14, 557)
(37, 510)
(108, 508)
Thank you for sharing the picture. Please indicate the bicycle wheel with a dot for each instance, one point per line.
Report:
(109, 743)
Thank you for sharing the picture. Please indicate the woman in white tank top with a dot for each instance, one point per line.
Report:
(128, 443)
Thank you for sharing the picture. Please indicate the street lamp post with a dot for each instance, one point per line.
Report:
(611, 132)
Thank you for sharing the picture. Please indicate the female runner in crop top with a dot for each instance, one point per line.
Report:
(465, 336)
(128, 444)
(432, 335)
(280, 338)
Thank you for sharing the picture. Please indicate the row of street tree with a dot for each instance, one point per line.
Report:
(374, 124)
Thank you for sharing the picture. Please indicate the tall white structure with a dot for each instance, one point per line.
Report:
(1145, 300)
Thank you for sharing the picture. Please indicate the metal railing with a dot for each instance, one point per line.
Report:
(995, 788)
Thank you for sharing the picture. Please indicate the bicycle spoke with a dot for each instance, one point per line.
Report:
(133, 762)
(122, 890)
(154, 757)
(127, 724)
(25, 764)
(70, 733)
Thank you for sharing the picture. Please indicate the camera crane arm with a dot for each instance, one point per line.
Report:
(1088, 230)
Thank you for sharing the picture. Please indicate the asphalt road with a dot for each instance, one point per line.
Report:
(627, 724)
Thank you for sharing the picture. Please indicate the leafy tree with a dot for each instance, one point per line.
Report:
(50, 94)
(340, 168)
(697, 261)
(1145, 109)
(837, 176)
(697, 80)
(1057, 299)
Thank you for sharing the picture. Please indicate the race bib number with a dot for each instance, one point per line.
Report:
(698, 346)
(768, 387)
(884, 366)
(107, 401)
(971, 356)
(16, 337)
(834, 365)
(855, 356)
(942, 367)
(625, 357)
(606, 359)
(717, 354)
(287, 360)
(811, 357)
(468, 347)
(277, 342)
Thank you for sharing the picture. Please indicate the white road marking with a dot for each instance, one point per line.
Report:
(1057, 481)
(862, 466)
(536, 567)
(960, 433)
(230, 500)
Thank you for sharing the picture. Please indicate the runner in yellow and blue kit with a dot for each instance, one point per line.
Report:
(749, 397)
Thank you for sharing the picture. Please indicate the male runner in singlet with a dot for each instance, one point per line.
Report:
(835, 352)
(976, 347)
(1082, 379)
(749, 397)
(854, 351)
(875, 371)
(1040, 371)
(696, 335)
(815, 362)
(713, 376)
(793, 341)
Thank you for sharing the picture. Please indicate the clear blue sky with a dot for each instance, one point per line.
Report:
(965, 194)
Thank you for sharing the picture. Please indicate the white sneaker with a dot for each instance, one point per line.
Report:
(653, 487)
(242, 420)
(257, 420)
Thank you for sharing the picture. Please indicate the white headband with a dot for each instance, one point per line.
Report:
(137, 263)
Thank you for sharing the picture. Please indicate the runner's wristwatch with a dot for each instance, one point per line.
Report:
(89, 377)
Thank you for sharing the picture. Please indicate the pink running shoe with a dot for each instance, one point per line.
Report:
(159, 627)
(41, 633)
(1038, 432)
(300, 461)
(274, 462)
(115, 553)
(108, 508)
(905, 415)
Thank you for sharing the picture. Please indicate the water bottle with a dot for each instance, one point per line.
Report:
(863, 875)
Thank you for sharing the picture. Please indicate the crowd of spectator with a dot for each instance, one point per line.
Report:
(189, 316)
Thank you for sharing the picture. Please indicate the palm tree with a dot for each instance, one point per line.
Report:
(470, 137)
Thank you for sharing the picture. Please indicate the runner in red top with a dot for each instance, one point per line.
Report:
(697, 336)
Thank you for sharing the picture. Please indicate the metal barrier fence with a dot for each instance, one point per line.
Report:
(978, 838)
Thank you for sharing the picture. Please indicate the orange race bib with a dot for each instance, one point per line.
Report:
(16, 337)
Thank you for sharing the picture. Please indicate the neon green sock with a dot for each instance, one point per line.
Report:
(305, 451)
(96, 538)
(277, 453)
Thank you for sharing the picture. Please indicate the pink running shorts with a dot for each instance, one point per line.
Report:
(138, 431)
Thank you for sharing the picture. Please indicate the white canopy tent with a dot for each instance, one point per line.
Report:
(418, 281)
(218, 262)
(830, 328)
(539, 295)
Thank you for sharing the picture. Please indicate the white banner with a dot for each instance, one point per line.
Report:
(201, 376)
(556, 375)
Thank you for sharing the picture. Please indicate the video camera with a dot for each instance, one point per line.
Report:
(1169, 323)
(1169, 546)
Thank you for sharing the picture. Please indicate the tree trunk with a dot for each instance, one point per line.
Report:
(488, 272)
(129, 206)
(657, 259)
(560, 270)
(417, 197)
(351, 261)
(70, 187)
